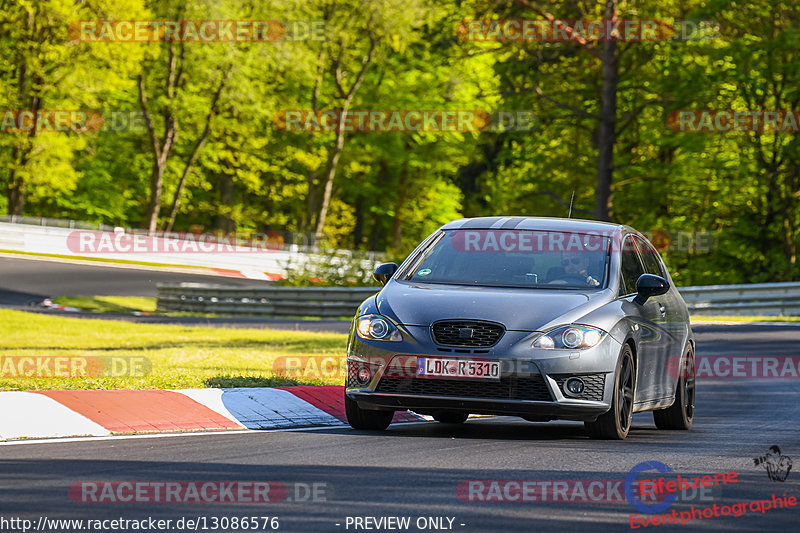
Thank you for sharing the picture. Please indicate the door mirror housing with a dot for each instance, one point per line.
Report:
(384, 272)
(649, 285)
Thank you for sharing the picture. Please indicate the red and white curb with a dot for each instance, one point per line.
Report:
(249, 274)
(43, 414)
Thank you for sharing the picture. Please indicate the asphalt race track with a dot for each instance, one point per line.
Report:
(413, 470)
(25, 280)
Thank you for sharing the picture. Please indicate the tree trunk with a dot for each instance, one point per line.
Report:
(161, 148)
(347, 98)
(358, 229)
(201, 141)
(311, 200)
(226, 199)
(156, 186)
(16, 194)
(789, 247)
(607, 123)
(333, 162)
(400, 202)
(21, 152)
(16, 198)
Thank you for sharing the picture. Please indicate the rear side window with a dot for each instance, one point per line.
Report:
(650, 258)
(631, 266)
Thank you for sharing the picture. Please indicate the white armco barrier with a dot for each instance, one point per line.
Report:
(254, 259)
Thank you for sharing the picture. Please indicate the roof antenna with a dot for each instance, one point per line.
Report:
(569, 215)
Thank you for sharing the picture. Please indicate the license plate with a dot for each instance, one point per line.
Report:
(458, 368)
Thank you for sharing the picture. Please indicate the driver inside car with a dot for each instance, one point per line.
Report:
(577, 264)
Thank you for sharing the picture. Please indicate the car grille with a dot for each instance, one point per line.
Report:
(509, 388)
(593, 385)
(453, 333)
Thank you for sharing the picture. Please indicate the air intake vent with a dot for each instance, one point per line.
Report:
(467, 333)
(594, 385)
(532, 388)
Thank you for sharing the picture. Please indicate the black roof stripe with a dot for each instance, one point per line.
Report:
(482, 222)
(512, 223)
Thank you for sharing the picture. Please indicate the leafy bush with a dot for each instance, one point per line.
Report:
(336, 268)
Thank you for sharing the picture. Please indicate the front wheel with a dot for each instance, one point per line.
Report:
(364, 418)
(681, 413)
(616, 423)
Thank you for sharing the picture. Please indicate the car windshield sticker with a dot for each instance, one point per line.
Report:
(424, 272)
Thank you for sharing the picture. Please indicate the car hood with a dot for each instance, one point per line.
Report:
(517, 309)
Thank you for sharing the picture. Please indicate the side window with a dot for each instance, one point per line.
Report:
(631, 266)
(651, 259)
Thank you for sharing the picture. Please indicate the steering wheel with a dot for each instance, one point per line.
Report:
(564, 279)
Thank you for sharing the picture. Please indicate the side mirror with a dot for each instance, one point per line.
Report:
(384, 272)
(649, 285)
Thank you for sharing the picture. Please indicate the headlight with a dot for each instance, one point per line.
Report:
(378, 328)
(570, 338)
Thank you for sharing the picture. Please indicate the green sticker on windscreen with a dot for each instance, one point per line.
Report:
(424, 272)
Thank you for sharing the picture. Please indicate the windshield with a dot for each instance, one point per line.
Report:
(514, 258)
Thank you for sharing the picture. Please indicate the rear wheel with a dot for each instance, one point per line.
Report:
(450, 417)
(681, 413)
(364, 418)
(616, 423)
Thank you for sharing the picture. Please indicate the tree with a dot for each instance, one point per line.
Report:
(41, 70)
(358, 35)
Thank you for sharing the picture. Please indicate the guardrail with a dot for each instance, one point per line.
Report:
(751, 299)
(293, 241)
(335, 302)
(321, 302)
(52, 236)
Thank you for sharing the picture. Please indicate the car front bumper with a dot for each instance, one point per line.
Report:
(531, 386)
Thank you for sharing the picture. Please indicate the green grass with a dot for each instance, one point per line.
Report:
(179, 356)
(110, 304)
(780, 318)
(143, 304)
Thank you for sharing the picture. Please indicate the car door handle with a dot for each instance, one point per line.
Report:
(662, 309)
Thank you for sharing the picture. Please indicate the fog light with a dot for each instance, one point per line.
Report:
(364, 375)
(574, 386)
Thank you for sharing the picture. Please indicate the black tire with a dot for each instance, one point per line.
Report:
(366, 419)
(450, 417)
(616, 423)
(680, 414)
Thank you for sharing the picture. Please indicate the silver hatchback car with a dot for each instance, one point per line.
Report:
(535, 317)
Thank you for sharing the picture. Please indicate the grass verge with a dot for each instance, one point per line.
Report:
(110, 304)
(177, 356)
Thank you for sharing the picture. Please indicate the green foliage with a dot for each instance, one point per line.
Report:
(392, 189)
(331, 268)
